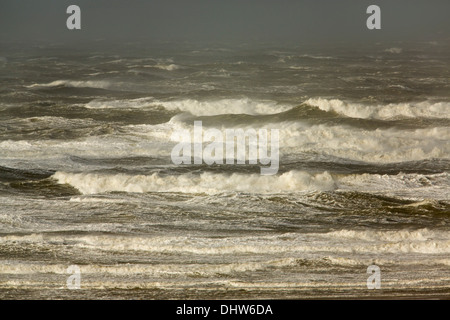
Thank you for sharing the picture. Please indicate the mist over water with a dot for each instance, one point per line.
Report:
(86, 176)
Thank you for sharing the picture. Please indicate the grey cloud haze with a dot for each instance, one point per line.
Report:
(240, 20)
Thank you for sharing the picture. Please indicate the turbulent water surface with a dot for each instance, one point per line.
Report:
(86, 176)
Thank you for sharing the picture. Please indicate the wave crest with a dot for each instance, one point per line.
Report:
(197, 107)
(292, 181)
(424, 109)
(98, 84)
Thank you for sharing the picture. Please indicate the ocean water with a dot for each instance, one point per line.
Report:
(86, 176)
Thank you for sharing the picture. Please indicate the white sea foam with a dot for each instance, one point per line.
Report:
(296, 136)
(413, 186)
(311, 56)
(146, 269)
(192, 269)
(99, 84)
(394, 50)
(424, 109)
(197, 107)
(56, 152)
(210, 183)
(346, 241)
(167, 67)
(434, 186)
(224, 106)
(381, 145)
(120, 104)
(421, 235)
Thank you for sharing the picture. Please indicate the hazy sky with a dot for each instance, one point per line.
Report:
(220, 20)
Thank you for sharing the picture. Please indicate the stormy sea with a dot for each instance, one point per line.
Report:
(87, 182)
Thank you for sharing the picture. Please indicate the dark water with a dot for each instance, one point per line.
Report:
(86, 176)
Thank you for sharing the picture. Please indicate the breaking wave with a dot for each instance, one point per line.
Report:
(98, 84)
(424, 109)
(288, 182)
(209, 183)
(422, 241)
(197, 107)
